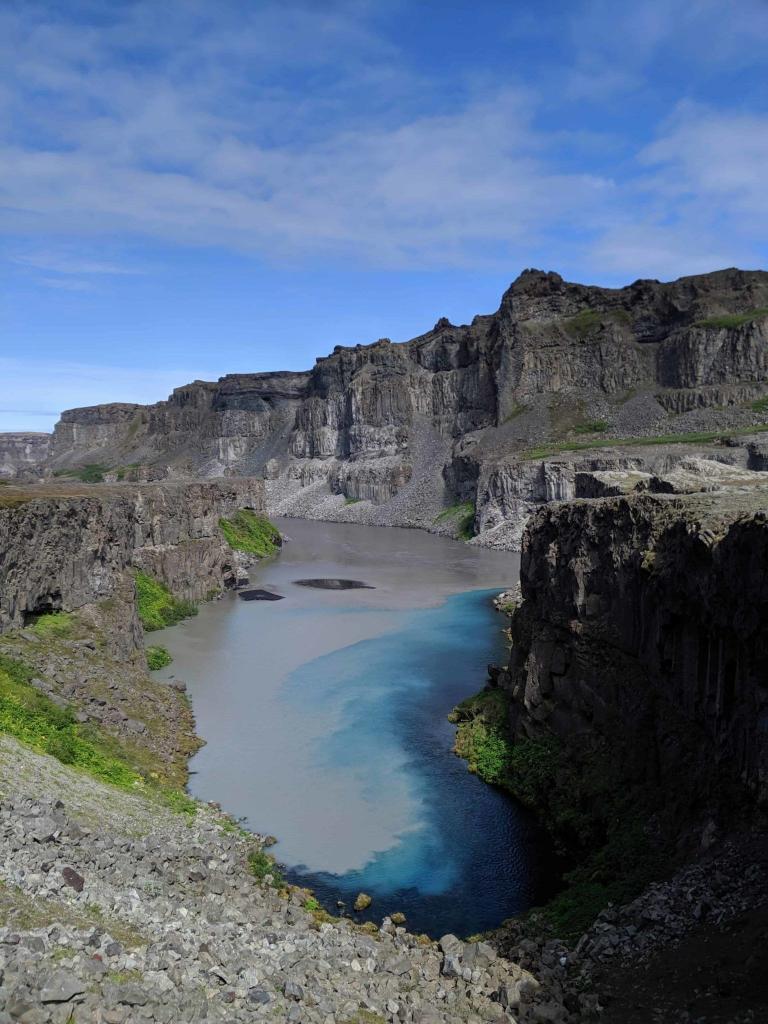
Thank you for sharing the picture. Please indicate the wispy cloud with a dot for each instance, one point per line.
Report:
(70, 263)
(298, 132)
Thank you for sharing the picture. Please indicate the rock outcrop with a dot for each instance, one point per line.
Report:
(23, 454)
(64, 547)
(404, 430)
(640, 634)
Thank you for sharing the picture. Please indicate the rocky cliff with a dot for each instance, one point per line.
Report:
(64, 547)
(404, 430)
(23, 454)
(640, 637)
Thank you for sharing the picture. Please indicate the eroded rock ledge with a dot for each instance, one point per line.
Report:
(64, 547)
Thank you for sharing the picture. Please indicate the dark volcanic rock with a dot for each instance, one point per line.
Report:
(642, 632)
(334, 584)
(259, 595)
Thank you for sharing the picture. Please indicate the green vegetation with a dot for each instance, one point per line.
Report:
(760, 404)
(262, 864)
(91, 473)
(35, 720)
(157, 606)
(696, 437)
(591, 427)
(588, 321)
(733, 319)
(517, 410)
(593, 818)
(158, 657)
(463, 515)
(352, 501)
(54, 626)
(252, 533)
(583, 323)
(482, 734)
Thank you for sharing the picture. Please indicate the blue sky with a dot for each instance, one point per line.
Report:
(194, 188)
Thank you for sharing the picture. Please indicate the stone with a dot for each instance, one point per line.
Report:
(362, 901)
(259, 996)
(60, 987)
(73, 879)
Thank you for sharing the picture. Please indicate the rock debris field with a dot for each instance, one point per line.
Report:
(115, 909)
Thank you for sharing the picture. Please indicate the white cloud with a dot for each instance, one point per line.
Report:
(296, 132)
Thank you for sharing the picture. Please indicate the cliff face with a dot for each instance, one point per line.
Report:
(63, 548)
(641, 633)
(23, 453)
(411, 427)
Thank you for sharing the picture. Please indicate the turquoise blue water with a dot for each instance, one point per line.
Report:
(466, 859)
(325, 722)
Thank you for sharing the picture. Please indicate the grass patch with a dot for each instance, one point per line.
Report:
(157, 606)
(696, 437)
(252, 533)
(157, 658)
(727, 320)
(53, 626)
(463, 515)
(263, 864)
(35, 720)
(22, 912)
(91, 473)
(591, 427)
(583, 324)
(352, 501)
(760, 404)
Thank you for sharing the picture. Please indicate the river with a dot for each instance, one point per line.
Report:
(324, 716)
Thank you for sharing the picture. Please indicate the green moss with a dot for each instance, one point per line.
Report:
(157, 607)
(262, 864)
(760, 404)
(54, 625)
(481, 737)
(516, 411)
(463, 515)
(583, 324)
(697, 437)
(157, 658)
(591, 427)
(91, 473)
(252, 533)
(352, 501)
(727, 320)
(34, 719)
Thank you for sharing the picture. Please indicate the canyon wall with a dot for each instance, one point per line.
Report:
(393, 433)
(64, 547)
(23, 453)
(641, 636)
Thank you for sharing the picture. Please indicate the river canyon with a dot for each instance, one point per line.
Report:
(324, 717)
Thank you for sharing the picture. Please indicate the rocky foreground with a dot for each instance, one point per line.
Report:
(115, 909)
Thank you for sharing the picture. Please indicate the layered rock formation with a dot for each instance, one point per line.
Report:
(23, 454)
(640, 634)
(64, 547)
(406, 429)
